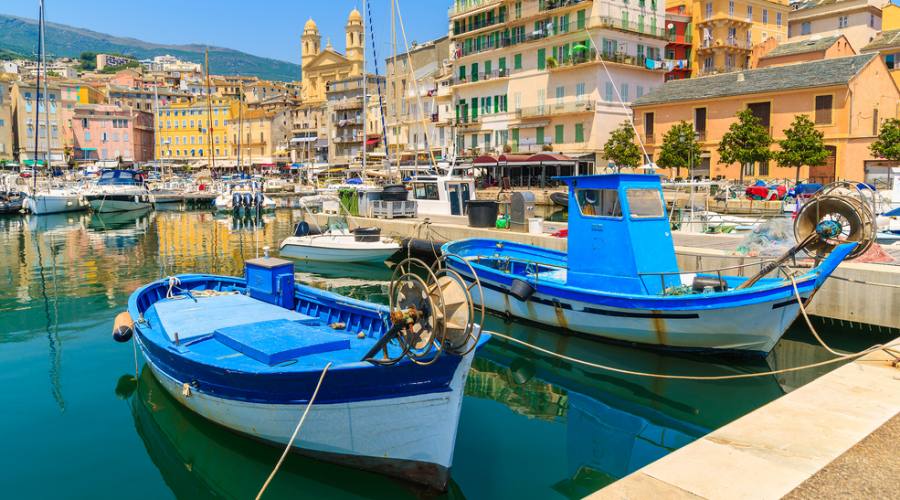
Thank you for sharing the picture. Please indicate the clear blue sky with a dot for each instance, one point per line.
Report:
(269, 28)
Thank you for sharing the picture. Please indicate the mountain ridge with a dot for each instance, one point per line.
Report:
(19, 34)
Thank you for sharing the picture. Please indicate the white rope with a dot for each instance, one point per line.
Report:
(808, 322)
(623, 371)
(296, 432)
(173, 283)
(863, 282)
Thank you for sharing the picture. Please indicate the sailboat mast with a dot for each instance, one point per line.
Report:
(240, 158)
(37, 91)
(209, 122)
(365, 90)
(156, 148)
(46, 89)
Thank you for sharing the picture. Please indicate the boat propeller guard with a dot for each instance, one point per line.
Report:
(430, 315)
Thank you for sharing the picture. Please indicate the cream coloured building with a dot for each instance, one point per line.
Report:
(858, 20)
(532, 76)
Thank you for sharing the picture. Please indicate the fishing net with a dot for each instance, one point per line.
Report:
(770, 239)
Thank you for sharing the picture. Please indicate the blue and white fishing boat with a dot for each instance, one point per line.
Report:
(620, 278)
(247, 353)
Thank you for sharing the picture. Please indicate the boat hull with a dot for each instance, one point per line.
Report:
(117, 204)
(54, 204)
(341, 248)
(751, 329)
(382, 435)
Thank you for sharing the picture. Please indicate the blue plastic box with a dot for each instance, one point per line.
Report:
(271, 280)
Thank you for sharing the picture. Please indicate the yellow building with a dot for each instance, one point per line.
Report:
(725, 31)
(259, 135)
(890, 17)
(183, 133)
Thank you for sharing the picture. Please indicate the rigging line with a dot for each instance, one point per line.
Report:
(412, 75)
(296, 432)
(371, 30)
(628, 114)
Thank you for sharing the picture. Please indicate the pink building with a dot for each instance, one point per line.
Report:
(109, 132)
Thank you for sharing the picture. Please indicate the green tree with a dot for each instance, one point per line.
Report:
(887, 145)
(746, 142)
(802, 145)
(679, 148)
(621, 149)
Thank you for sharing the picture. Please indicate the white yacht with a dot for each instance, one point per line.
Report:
(119, 191)
(444, 190)
(55, 200)
(339, 244)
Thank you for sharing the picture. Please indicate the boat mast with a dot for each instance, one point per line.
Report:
(46, 90)
(209, 122)
(365, 95)
(240, 159)
(156, 148)
(37, 91)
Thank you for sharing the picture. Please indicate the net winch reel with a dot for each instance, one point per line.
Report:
(431, 312)
(835, 215)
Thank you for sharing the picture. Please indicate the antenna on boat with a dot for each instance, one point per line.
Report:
(431, 315)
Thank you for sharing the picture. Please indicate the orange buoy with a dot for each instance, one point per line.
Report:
(123, 327)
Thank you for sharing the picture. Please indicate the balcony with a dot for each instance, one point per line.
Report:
(466, 121)
(466, 6)
(718, 70)
(618, 23)
(680, 39)
(352, 103)
(556, 109)
(724, 43)
(482, 76)
(725, 20)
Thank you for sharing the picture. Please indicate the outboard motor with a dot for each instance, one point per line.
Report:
(236, 201)
(248, 199)
(259, 198)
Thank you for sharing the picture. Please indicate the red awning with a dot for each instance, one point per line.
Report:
(484, 160)
(373, 141)
(508, 159)
(551, 158)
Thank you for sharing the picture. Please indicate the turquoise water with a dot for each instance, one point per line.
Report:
(75, 424)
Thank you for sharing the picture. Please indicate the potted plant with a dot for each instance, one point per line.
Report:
(552, 62)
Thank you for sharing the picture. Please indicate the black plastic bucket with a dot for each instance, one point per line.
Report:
(482, 213)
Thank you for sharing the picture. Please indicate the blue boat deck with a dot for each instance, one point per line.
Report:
(237, 332)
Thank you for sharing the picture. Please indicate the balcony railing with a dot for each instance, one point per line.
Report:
(686, 38)
(559, 4)
(557, 108)
(463, 6)
(482, 76)
(729, 42)
(608, 22)
(352, 103)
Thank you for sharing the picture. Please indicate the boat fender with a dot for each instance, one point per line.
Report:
(123, 327)
(236, 200)
(248, 199)
(701, 283)
(338, 325)
(259, 200)
(521, 290)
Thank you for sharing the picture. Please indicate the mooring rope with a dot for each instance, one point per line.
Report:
(863, 282)
(296, 432)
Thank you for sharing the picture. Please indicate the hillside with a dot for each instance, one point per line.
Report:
(19, 35)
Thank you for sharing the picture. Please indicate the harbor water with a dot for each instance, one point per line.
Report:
(76, 422)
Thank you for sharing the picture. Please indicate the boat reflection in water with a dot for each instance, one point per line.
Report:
(199, 459)
(120, 229)
(614, 424)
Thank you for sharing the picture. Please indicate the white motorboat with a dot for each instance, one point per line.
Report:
(244, 196)
(339, 245)
(54, 201)
(119, 191)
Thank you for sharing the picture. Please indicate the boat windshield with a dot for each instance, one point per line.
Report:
(644, 203)
(425, 191)
(598, 202)
(120, 178)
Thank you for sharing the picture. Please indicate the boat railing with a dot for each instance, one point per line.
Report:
(717, 272)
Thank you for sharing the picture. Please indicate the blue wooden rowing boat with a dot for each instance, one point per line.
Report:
(620, 278)
(247, 353)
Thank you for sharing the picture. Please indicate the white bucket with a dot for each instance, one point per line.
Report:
(535, 225)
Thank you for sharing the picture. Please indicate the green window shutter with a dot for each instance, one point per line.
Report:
(515, 140)
(564, 23)
(496, 104)
(539, 136)
(457, 111)
(474, 72)
(502, 63)
(474, 108)
(580, 19)
(474, 141)
(462, 73)
(488, 66)
(504, 106)
(579, 132)
(560, 134)
(517, 61)
(541, 58)
(565, 53)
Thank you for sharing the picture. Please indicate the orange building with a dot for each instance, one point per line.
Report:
(846, 97)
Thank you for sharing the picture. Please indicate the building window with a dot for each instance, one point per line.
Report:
(518, 10)
(765, 16)
(608, 91)
(648, 126)
(624, 92)
(700, 123)
(541, 58)
(823, 109)
(731, 8)
(579, 132)
(539, 136)
(805, 28)
(579, 92)
(891, 61)
(763, 111)
(750, 13)
(709, 10)
(517, 61)
(843, 21)
(560, 134)
(778, 19)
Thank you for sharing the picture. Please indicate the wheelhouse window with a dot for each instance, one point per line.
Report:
(644, 203)
(425, 191)
(598, 202)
